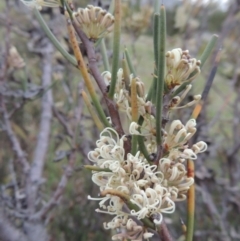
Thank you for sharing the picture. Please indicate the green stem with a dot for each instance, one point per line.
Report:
(104, 55)
(208, 50)
(52, 38)
(130, 65)
(150, 93)
(145, 221)
(156, 35)
(126, 75)
(97, 169)
(116, 47)
(134, 107)
(161, 75)
(143, 148)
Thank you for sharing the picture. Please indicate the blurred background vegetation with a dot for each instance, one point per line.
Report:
(190, 25)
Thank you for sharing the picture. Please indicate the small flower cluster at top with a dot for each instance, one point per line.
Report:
(152, 188)
(94, 21)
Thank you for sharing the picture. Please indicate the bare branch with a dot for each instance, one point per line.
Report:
(44, 130)
(164, 233)
(7, 231)
(13, 138)
(111, 105)
(213, 211)
(57, 194)
(62, 120)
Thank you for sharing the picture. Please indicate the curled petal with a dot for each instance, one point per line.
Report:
(199, 147)
(189, 154)
(176, 124)
(133, 129)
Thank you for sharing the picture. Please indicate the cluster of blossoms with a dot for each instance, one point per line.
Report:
(152, 188)
(94, 21)
(134, 189)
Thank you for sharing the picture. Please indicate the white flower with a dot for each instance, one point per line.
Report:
(199, 147)
(180, 66)
(133, 129)
(94, 21)
(178, 134)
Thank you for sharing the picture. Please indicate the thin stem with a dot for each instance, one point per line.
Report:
(126, 75)
(208, 50)
(130, 65)
(134, 107)
(91, 110)
(116, 47)
(83, 68)
(52, 38)
(156, 35)
(143, 148)
(104, 55)
(190, 203)
(161, 74)
(96, 169)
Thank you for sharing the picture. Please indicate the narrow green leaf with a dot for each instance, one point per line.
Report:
(130, 65)
(208, 50)
(161, 75)
(53, 39)
(104, 55)
(116, 47)
(126, 74)
(134, 107)
(156, 40)
(143, 148)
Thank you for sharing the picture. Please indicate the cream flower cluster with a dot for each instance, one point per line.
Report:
(94, 21)
(122, 94)
(154, 189)
(180, 67)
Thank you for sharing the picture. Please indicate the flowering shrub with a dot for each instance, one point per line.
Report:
(144, 169)
(153, 187)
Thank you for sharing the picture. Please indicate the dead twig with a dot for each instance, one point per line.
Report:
(35, 176)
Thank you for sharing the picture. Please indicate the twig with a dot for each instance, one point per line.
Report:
(216, 217)
(164, 233)
(68, 170)
(13, 138)
(62, 120)
(35, 176)
(14, 27)
(8, 231)
(112, 108)
(56, 196)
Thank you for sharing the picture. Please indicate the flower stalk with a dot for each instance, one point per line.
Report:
(190, 203)
(130, 65)
(134, 108)
(92, 112)
(53, 39)
(161, 75)
(83, 68)
(116, 46)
